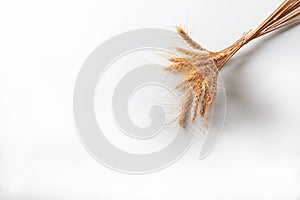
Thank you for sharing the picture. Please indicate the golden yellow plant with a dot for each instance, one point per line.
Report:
(200, 67)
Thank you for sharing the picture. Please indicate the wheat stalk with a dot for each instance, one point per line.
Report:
(200, 67)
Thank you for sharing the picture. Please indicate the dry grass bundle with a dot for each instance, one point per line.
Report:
(199, 67)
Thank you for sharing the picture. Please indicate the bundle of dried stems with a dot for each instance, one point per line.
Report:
(200, 67)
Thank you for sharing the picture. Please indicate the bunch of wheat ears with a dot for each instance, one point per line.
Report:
(200, 67)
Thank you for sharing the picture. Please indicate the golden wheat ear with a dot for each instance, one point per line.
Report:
(199, 74)
(188, 39)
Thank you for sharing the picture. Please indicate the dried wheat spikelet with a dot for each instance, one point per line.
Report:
(200, 67)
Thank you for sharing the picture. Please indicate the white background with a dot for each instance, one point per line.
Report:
(42, 47)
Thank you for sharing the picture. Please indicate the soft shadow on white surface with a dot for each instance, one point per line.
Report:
(247, 107)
